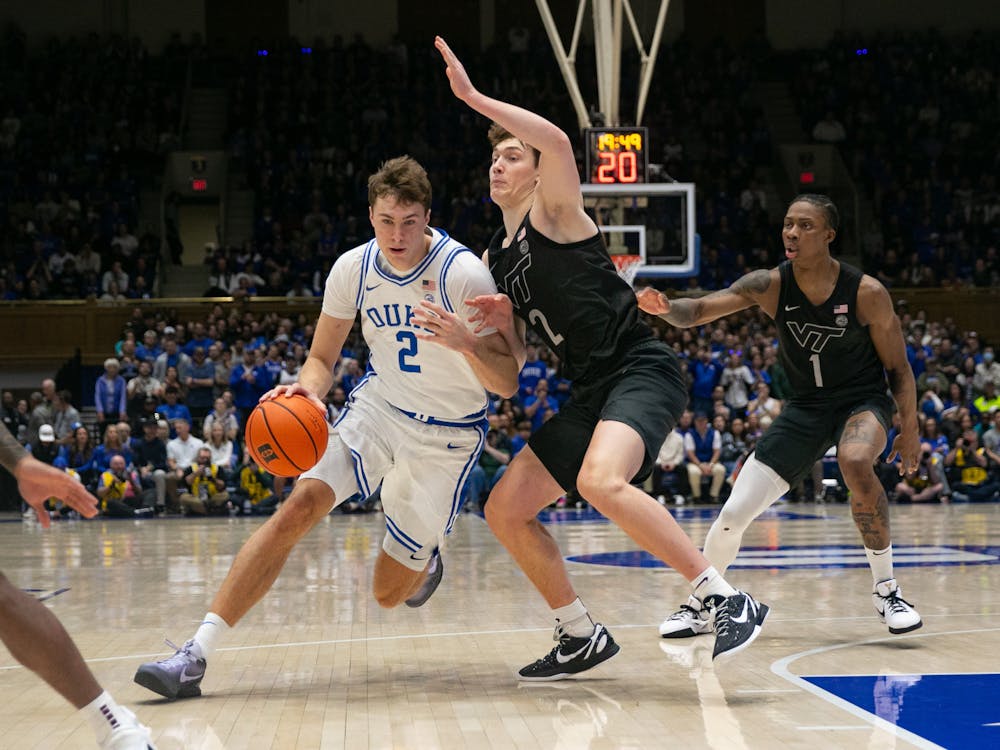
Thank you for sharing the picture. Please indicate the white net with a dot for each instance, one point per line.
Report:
(628, 266)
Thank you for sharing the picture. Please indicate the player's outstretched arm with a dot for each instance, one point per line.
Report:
(875, 311)
(755, 288)
(559, 180)
(37, 481)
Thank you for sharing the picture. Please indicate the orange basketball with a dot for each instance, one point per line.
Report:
(286, 436)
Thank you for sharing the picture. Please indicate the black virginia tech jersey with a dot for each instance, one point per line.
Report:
(825, 351)
(571, 296)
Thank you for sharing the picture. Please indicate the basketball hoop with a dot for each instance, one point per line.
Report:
(628, 266)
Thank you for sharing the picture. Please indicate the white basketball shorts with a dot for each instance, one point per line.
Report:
(422, 469)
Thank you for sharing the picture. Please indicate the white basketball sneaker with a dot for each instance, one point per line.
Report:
(129, 735)
(893, 609)
(693, 618)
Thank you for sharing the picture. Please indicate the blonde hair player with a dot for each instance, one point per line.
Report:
(416, 423)
(839, 340)
(550, 262)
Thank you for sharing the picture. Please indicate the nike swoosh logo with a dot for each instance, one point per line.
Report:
(562, 659)
(418, 559)
(453, 447)
(185, 677)
(743, 615)
(789, 308)
(369, 288)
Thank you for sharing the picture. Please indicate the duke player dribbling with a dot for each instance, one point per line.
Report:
(415, 423)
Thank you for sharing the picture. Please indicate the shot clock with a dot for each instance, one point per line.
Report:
(617, 155)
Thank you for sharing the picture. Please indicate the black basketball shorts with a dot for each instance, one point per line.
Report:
(646, 392)
(804, 432)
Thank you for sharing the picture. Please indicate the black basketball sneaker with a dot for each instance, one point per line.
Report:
(572, 656)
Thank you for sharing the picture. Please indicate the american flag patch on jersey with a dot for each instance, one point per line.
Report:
(840, 310)
(428, 285)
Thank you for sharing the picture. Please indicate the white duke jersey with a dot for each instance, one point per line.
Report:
(421, 378)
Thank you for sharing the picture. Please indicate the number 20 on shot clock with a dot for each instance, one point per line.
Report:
(617, 155)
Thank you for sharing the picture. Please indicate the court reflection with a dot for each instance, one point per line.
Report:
(722, 728)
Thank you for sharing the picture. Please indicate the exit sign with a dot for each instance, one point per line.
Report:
(199, 184)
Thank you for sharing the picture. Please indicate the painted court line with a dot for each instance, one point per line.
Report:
(781, 668)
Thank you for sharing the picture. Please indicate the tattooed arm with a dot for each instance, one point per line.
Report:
(755, 288)
(37, 481)
(875, 311)
(11, 451)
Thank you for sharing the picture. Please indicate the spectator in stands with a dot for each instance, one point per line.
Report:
(110, 396)
(40, 409)
(173, 411)
(764, 407)
(221, 415)
(534, 370)
(254, 493)
(171, 356)
(707, 372)
(206, 489)
(224, 454)
(669, 473)
(540, 402)
(199, 338)
(120, 492)
(200, 383)
(987, 371)
(46, 448)
(249, 381)
(703, 447)
(111, 445)
(991, 440)
(971, 480)
(926, 484)
(989, 401)
(143, 386)
(736, 380)
(149, 349)
(9, 414)
(115, 275)
(150, 460)
(65, 417)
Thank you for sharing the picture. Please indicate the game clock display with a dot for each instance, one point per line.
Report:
(617, 156)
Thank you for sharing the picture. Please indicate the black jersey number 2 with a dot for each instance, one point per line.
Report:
(537, 318)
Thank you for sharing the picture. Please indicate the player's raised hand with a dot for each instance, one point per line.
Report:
(652, 301)
(906, 445)
(37, 482)
(492, 311)
(443, 327)
(461, 85)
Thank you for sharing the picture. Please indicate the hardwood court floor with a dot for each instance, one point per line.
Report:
(319, 665)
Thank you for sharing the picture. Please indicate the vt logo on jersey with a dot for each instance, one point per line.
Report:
(516, 283)
(813, 337)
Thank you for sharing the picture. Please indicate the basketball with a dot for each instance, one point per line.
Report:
(286, 436)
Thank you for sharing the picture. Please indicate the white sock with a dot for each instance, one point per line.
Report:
(105, 716)
(711, 583)
(574, 619)
(212, 628)
(881, 563)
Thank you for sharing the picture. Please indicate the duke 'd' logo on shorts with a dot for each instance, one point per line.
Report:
(266, 452)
